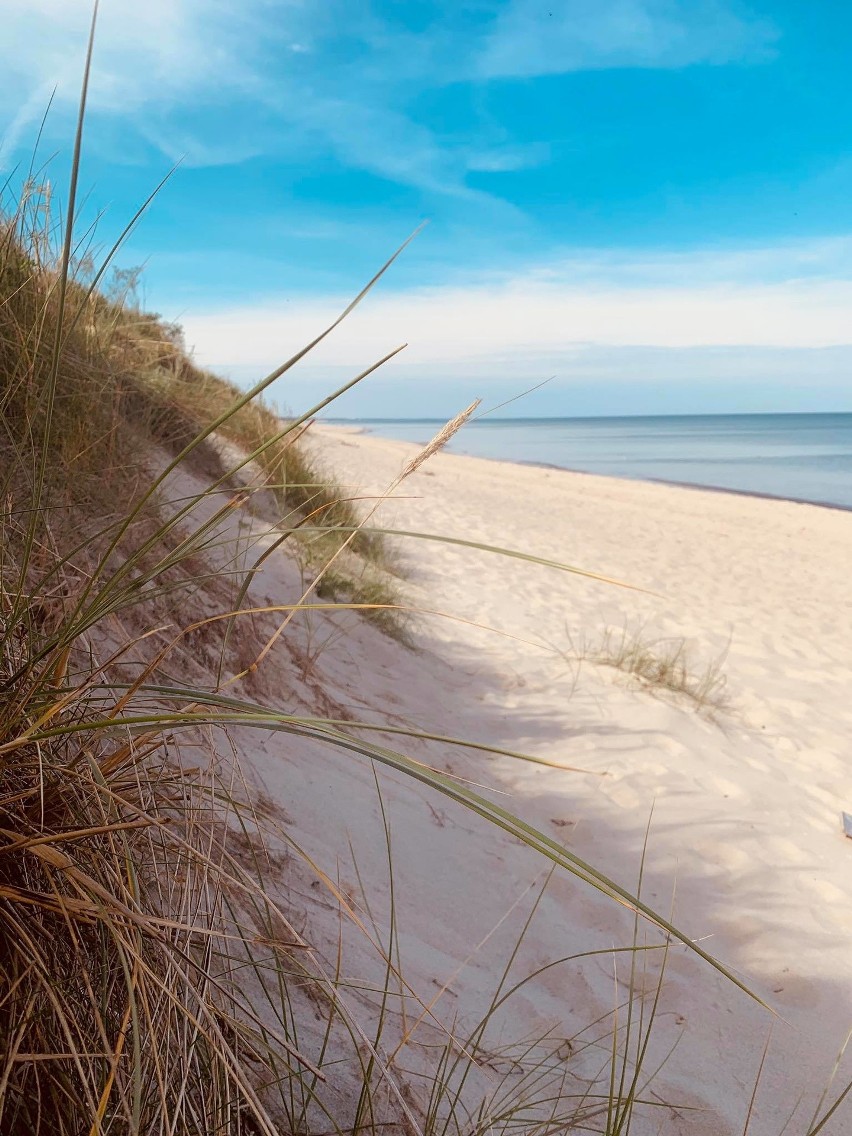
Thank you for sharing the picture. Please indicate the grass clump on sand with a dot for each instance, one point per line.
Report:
(288, 470)
(112, 380)
(663, 665)
(373, 592)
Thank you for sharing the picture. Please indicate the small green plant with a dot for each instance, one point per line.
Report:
(660, 665)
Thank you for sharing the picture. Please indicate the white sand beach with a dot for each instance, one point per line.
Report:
(745, 849)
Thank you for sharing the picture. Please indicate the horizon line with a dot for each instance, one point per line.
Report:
(593, 417)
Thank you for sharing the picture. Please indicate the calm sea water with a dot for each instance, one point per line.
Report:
(804, 457)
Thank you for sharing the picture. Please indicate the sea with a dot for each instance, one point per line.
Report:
(798, 457)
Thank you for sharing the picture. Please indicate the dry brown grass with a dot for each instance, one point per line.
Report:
(127, 928)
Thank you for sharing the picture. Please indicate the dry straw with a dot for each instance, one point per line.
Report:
(439, 441)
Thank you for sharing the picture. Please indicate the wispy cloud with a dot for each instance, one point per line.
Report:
(539, 37)
(384, 141)
(148, 53)
(335, 78)
(213, 82)
(150, 58)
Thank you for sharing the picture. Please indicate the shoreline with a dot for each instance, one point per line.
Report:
(753, 493)
(364, 431)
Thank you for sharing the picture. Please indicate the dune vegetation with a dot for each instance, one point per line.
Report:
(659, 664)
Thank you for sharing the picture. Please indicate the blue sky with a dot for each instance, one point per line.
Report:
(650, 200)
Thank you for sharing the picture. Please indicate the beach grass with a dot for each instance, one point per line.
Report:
(665, 665)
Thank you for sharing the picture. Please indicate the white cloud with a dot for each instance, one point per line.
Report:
(502, 159)
(583, 380)
(147, 52)
(147, 55)
(543, 37)
(551, 312)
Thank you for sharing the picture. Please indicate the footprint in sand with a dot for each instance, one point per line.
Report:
(620, 793)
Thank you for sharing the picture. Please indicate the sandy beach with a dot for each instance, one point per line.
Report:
(744, 799)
